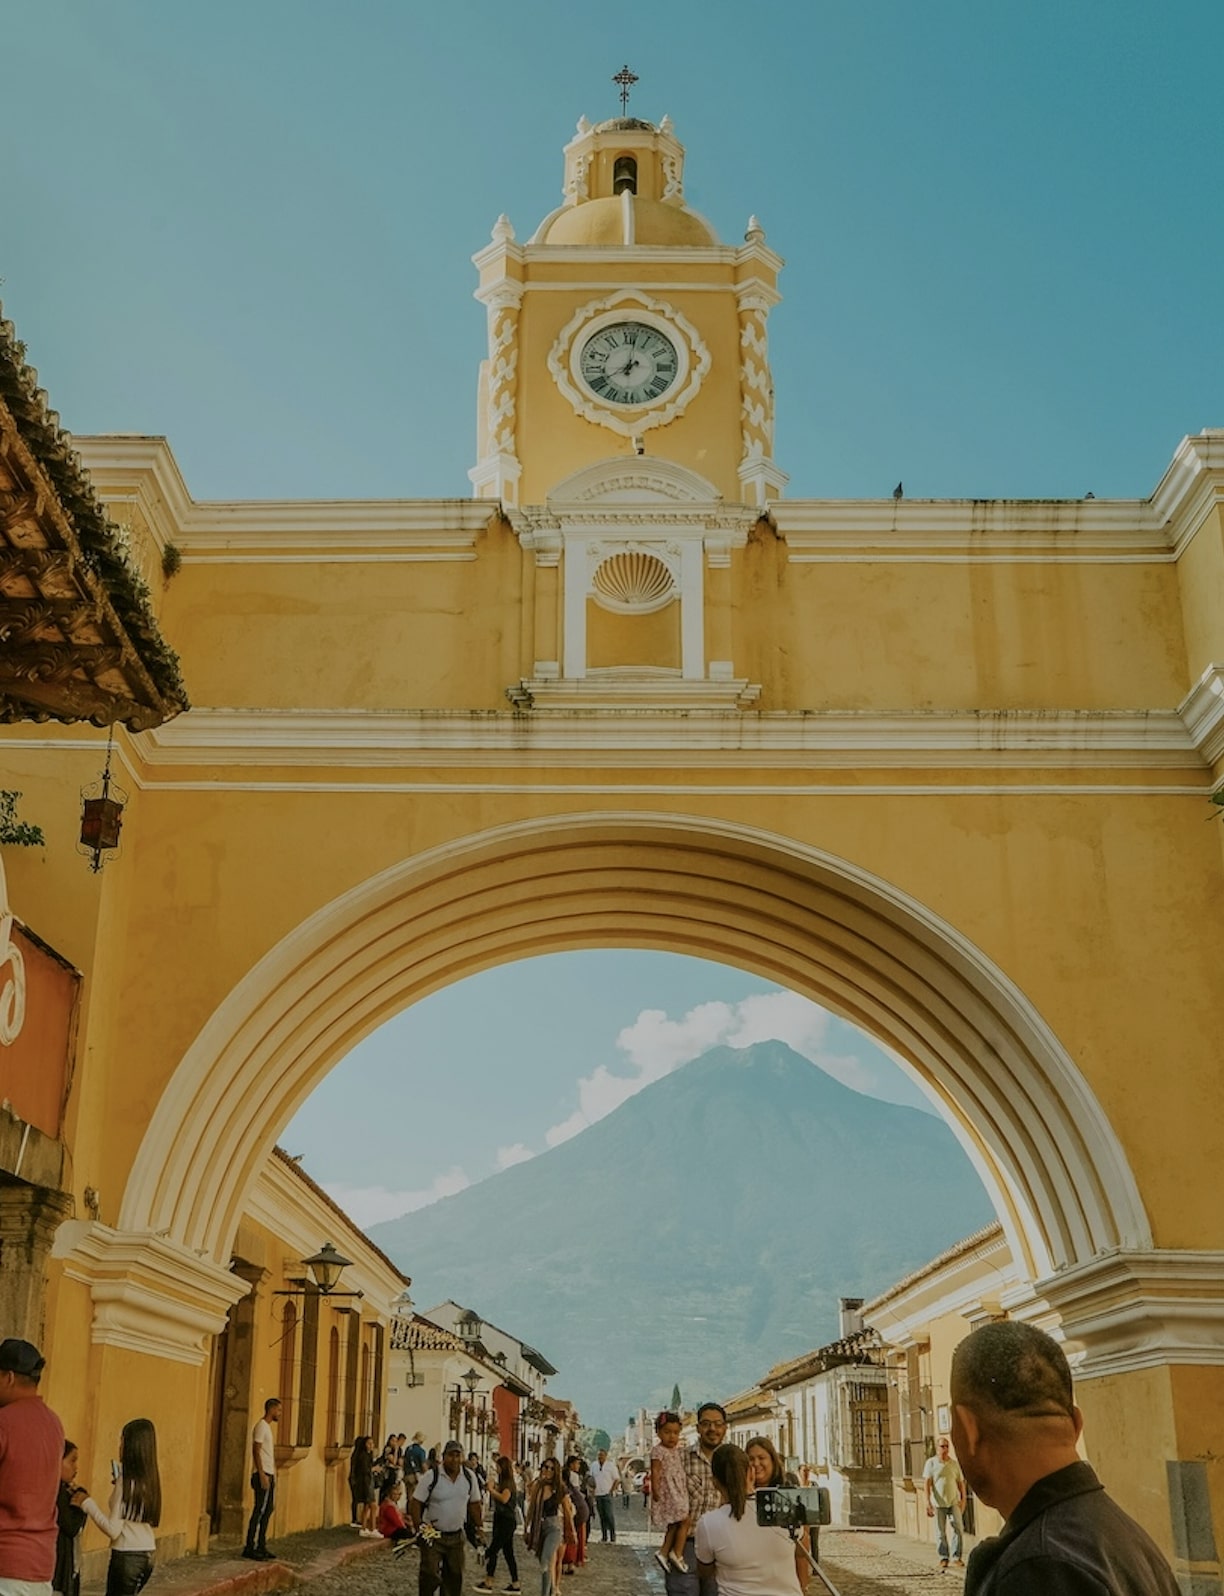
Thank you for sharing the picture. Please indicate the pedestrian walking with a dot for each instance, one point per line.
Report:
(503, 1494)
(31, 1456)
(449, 1497)
(944, 1487)
(133, 1512)
(263, 1482)
(607, 1479)
(550, 1523)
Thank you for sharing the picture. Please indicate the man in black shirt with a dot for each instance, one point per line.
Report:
(1014, 1427)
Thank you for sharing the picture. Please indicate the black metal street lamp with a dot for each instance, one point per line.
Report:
(326, 1266)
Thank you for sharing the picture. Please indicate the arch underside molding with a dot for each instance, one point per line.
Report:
(1057, 1175)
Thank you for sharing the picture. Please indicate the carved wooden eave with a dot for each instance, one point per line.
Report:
(78, 637)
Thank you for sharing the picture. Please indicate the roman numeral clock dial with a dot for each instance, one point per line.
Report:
(629, 363)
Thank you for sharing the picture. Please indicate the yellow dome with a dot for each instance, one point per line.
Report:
(600, 222)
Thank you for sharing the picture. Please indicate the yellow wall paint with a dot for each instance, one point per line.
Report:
(1094, 887)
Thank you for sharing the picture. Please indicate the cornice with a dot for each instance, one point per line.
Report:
(150, 1294)
(836, 530)
(1191, 488)
(1115, 530)
(975, 1277)
(653, 738)
(1202, 710)
(144, 471)
(1140, 1310)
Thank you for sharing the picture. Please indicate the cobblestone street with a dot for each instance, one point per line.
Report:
(859, 1563)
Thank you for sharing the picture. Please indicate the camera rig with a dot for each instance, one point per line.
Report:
(794, 1509)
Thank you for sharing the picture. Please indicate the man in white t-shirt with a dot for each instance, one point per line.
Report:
(263, 1482)
(607, 1478)
(448, 1498)
(944, 1485)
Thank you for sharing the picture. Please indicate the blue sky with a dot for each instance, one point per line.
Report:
(246, 224)
(506, 1064)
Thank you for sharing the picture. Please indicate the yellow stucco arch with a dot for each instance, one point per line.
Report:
(1051, 1162)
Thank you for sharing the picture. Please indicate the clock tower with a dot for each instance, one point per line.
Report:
(625, 418)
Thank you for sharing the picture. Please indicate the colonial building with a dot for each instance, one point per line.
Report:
(920, 1320)
(944, 766)
(496, 1402)
(828, 1411)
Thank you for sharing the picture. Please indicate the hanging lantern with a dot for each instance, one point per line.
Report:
(101, 814)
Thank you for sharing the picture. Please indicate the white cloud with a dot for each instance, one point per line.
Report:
(655, 1044)
(516, 1153)
(368, 1205)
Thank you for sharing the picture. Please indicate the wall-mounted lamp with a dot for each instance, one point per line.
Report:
(326, 1267)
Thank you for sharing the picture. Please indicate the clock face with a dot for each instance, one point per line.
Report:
(629, 363)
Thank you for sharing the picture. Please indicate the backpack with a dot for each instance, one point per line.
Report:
(469, 1529)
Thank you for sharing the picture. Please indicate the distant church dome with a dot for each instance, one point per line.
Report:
(600, 222)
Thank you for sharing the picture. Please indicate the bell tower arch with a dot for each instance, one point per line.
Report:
(625, 325)
(626, 423)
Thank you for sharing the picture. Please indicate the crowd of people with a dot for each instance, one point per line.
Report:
(1015, 1433)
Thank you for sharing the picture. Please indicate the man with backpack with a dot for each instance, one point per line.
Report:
(449, 1498)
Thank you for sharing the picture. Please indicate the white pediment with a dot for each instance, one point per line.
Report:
(633, 479)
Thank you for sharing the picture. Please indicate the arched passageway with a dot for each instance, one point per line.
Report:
(1054, 1168)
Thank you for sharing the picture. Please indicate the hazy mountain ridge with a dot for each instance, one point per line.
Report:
(701, 1231)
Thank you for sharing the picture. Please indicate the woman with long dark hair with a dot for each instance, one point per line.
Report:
(134, 1510)
(502, 1493)
(746, 1558)
(550, 1523)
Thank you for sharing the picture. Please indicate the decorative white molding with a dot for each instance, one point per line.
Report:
(12, 973)
(975, 1274)
(628, 421)
(1141, 1309)
(143, 471)
(150, 1294)
(620, 479)
(632, 581)
(627, 688)
(762, 480)
(820, 739)
(1202, 711)
(958, 530)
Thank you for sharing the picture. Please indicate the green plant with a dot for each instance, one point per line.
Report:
(172, 561)
(20, 833)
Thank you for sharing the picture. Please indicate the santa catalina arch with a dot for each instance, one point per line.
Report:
(944, 766)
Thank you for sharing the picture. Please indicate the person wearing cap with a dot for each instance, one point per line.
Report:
(31, 1452)
(449, 1497)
